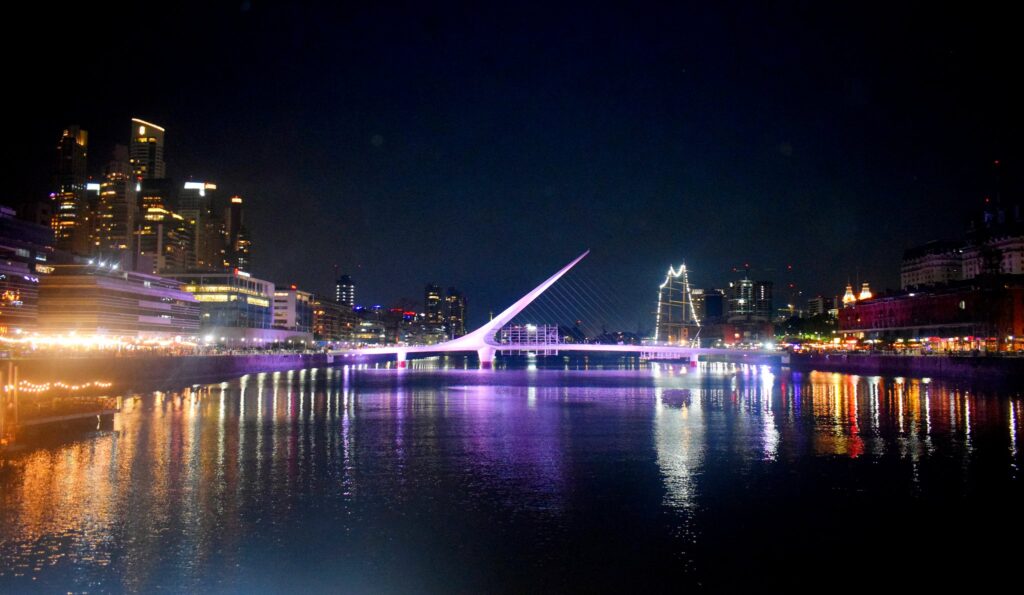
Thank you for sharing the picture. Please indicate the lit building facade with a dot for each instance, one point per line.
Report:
(117, 212)
(95, 300)
(147, 150)
(997, 255)
(455, 313)
(345, 291)
(164, 241)
(70, 220)
(236, 309)
(433, 304)
(231, 299)
(239, 246)
(934, 263)
(19, 298)
(293, 309)
(987, 313)
(333, 322)
(196, 206)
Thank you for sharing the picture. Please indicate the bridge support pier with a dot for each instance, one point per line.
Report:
(486, 355)
(400, 357)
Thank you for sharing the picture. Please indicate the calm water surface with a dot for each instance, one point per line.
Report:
(663, 479)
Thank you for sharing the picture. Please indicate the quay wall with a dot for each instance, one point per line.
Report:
(143, 370)
(914, 366)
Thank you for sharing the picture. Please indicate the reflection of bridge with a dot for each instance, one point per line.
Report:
(482, 340)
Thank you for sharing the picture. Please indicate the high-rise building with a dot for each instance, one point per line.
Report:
(763, 300)
(147, 150)
(70, 207)
(164, 238)
(196, 205)
(750, 299)
(117, 212)
(741, 298)
(455, 313)
(239, 247)
(433, 304)
(158, 193)
(345, 291)
(708, 305)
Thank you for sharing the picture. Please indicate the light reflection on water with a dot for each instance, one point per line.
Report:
(378, 481)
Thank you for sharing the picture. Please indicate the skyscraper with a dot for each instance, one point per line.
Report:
(239, 247)
(117, 212)
(70, 208)
(763, 299)
(195, 205)
(147, 150)
(433, 304)
(164, 238)
(345, 291)
(455, 313)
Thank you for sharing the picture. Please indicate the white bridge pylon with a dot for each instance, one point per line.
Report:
(483, 343)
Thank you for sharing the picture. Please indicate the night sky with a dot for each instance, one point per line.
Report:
(483, 147)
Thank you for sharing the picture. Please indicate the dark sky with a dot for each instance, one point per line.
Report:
(483, 147)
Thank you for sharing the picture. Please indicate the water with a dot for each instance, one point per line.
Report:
(664, 479)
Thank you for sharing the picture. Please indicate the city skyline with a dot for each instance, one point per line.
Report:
(657, 148)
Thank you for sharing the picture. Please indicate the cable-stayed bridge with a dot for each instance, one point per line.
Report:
(482, 341)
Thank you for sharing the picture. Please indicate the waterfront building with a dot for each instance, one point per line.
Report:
(986, 312)
(293, 309)
(147, 150)
(455, 313)
(19, 298)
(236, 308)
(333, 322)
(370, 332)
(848, 297)
(70, 221)
(345, 291)
(1002, 254)
(109, 301)
(27, 242)
(993, 245)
